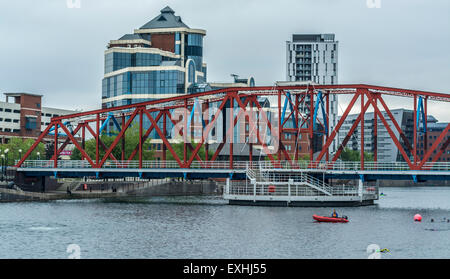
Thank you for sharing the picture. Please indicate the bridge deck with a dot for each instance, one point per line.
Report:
(156, 169)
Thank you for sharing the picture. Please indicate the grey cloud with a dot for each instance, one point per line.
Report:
(52, 50)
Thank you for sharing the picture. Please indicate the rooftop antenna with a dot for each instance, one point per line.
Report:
(234, 76)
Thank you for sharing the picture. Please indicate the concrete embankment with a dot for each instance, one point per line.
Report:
(13, 195)
(112, 190)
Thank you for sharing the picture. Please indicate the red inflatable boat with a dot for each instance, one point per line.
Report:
(329, 219)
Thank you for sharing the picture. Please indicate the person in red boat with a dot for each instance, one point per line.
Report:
(334, 215)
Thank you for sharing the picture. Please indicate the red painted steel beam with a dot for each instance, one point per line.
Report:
(259, 91)
(83, 138)
(298, 127)
(425, 136)
(232, 125)
(441, 150)
(75, 142)
(415, 130)
(207, 123)
(141, 120)
(188, 144)
(434, 146)
(350, 132)
(269, 126)
(97, 138)
(100, 142)
(207, 129)
(375, 132)
(35, 144)
(164, 148)
(327, 155)
(396, 125)
(118, 137)
(311, 125)
(67, 141)
(362, 113)
(216, 153)
(338, 126)
(391, 133)
(55, 147)
(122, 156)
(185, 132)
(164, 139)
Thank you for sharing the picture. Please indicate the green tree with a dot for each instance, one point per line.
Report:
(300, 159)
(350, 155)
(16, 144)
(131, 141)
(178, 148)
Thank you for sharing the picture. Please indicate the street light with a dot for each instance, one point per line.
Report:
(6, 156)
(20, 154)
(38, 155)
(3, 166)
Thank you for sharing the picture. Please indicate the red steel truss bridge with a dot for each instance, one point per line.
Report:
(302, 111)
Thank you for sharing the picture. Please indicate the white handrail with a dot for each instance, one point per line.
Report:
(261, 165)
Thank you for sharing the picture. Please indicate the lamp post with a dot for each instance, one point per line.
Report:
(3, 166)
(20, 154)
(38, 155)
(6, 164)
(6, 156)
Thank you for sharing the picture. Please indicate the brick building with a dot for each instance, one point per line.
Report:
(22, 115)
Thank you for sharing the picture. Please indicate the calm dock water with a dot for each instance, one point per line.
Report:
(207, 227)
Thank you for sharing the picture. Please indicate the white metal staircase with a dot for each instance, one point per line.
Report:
(270, 177)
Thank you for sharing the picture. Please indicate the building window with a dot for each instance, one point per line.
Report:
(16, 120)
(7, 120)
(30, 123)
(7, 110)
(38, 105)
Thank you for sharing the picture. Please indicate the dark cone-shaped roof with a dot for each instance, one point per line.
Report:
(166, 19)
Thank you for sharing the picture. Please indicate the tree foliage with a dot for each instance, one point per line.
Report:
(178, 148)
(131, 141)
(355, 155)
(16, 144)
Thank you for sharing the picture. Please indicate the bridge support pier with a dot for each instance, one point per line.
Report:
(43, 184)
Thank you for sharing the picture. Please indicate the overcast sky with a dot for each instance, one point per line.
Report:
(50, 49)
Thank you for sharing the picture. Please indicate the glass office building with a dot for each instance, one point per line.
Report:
(163, 58)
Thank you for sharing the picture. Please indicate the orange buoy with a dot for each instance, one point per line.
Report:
(417, 218)
(271, 189)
